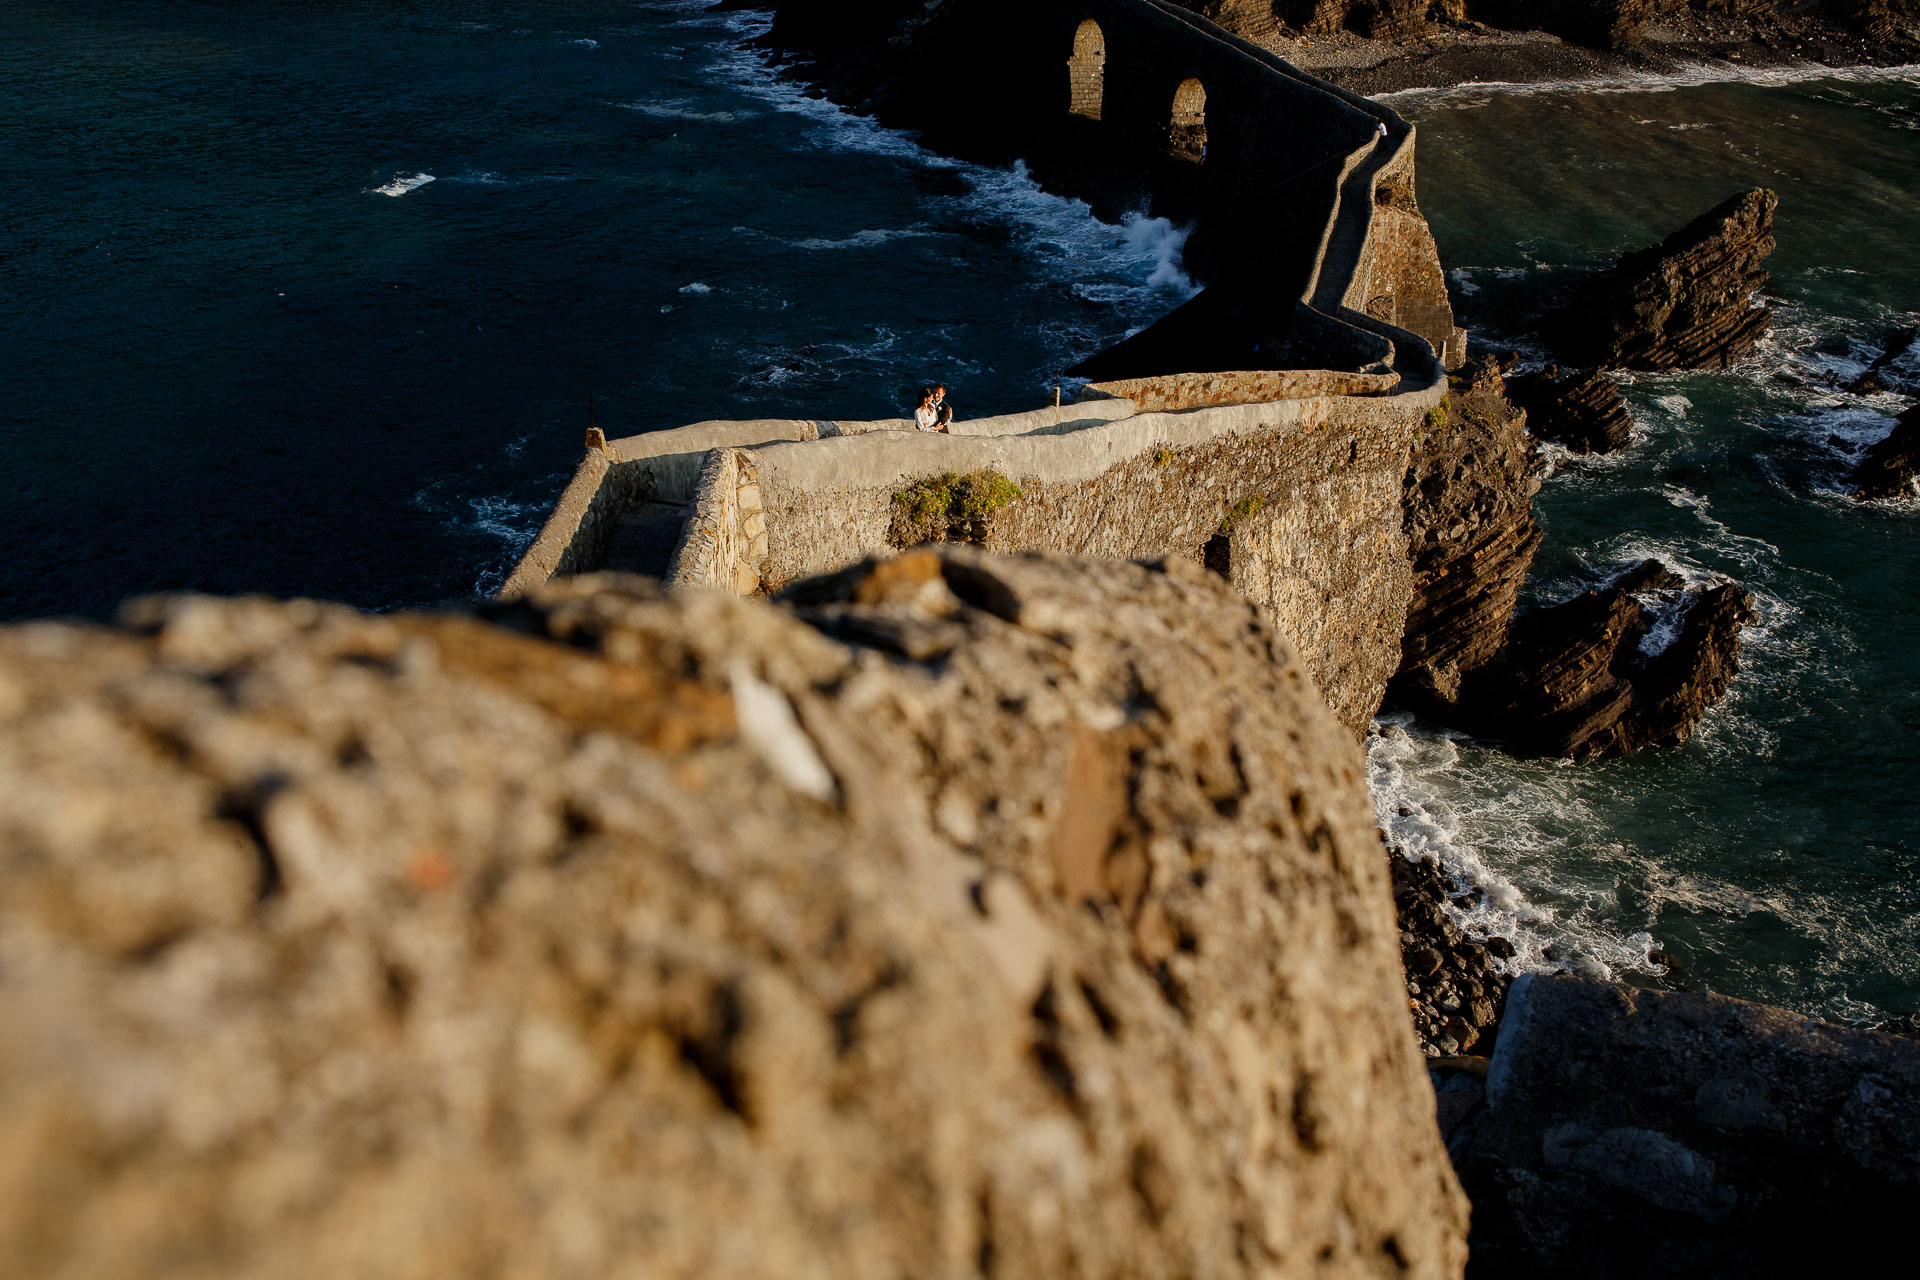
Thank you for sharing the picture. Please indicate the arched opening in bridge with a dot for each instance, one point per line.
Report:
(1087, 70)
(1187, 134)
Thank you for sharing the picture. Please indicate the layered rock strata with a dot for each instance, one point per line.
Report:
(1622, 1132)
(1587, 677)
(1689, 302)
(1890, 468)
(1581, 409)
(1468, 505)
(1035, 925)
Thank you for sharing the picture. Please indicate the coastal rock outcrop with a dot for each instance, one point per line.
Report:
(1468, 502)
(1589, 676)
(1890, 468)
(1007, 916)
(1579, 408)
(1627, 1132)
(1689, 302)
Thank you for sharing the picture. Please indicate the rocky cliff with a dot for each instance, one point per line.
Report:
(1579, 408)
(1004, 917)
(1689, 302)
(1468, 503)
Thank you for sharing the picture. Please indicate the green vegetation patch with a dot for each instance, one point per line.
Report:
(956, 497)
(1437, 416)
(1251, 505)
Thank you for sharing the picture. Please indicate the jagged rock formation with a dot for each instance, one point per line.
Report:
(1669, 1134)
(1579, 408)
(1571, 679)
(1574, 679)
(1453, 987)
(1688, 302)
(1890, 468)
(1468, 500)
(1040, 930)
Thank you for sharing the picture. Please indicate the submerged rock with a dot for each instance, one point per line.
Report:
(1579, 408)
(613, 932)
(1664, 1134)
(1890, 468)
(1689, 302)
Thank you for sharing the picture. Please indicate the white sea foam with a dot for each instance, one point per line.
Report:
(400, 186)
(673, 110)
(1473, 93)
(860, 239)
(585, 43)
(696, 287)
(1440, 797)
(1055, 231)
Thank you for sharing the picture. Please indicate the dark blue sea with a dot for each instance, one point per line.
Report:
(312, 299)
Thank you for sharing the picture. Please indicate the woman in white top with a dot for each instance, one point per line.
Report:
(927, 416)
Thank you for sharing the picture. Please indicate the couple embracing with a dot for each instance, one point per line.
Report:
(933, 413)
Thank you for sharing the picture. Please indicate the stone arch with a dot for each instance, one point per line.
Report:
(1187, 132)
(1087, 71)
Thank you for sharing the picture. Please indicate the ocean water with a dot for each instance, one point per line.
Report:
(313, 298)
(1774, 856)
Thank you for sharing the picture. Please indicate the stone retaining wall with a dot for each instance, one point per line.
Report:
(1297, 502)
(725, 543)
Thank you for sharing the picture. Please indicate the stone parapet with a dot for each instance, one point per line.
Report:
(725, 543)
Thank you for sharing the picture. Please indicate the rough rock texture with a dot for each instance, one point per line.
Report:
(1631, 1133)
(1468, 503)
(1579, 408)
(1574, 679)
(1453, 987)
(1688, 302)
(625, 934)
(1890, 468)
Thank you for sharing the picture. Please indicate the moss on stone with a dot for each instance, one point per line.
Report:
(1250, 505)
(956, 497)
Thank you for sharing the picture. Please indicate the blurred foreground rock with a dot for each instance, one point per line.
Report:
(1629, 1133)
(1036, 925)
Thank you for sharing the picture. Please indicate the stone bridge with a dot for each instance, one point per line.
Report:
(1283, 474)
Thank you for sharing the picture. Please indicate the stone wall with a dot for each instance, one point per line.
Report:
(1399, 279)
(1176, 391)
(660, 466)
(1305, 494)
(725, 543)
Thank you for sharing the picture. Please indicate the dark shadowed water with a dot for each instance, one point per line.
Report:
(1775, 855)
(309, 298)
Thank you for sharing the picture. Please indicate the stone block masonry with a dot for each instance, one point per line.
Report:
(725, 542)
